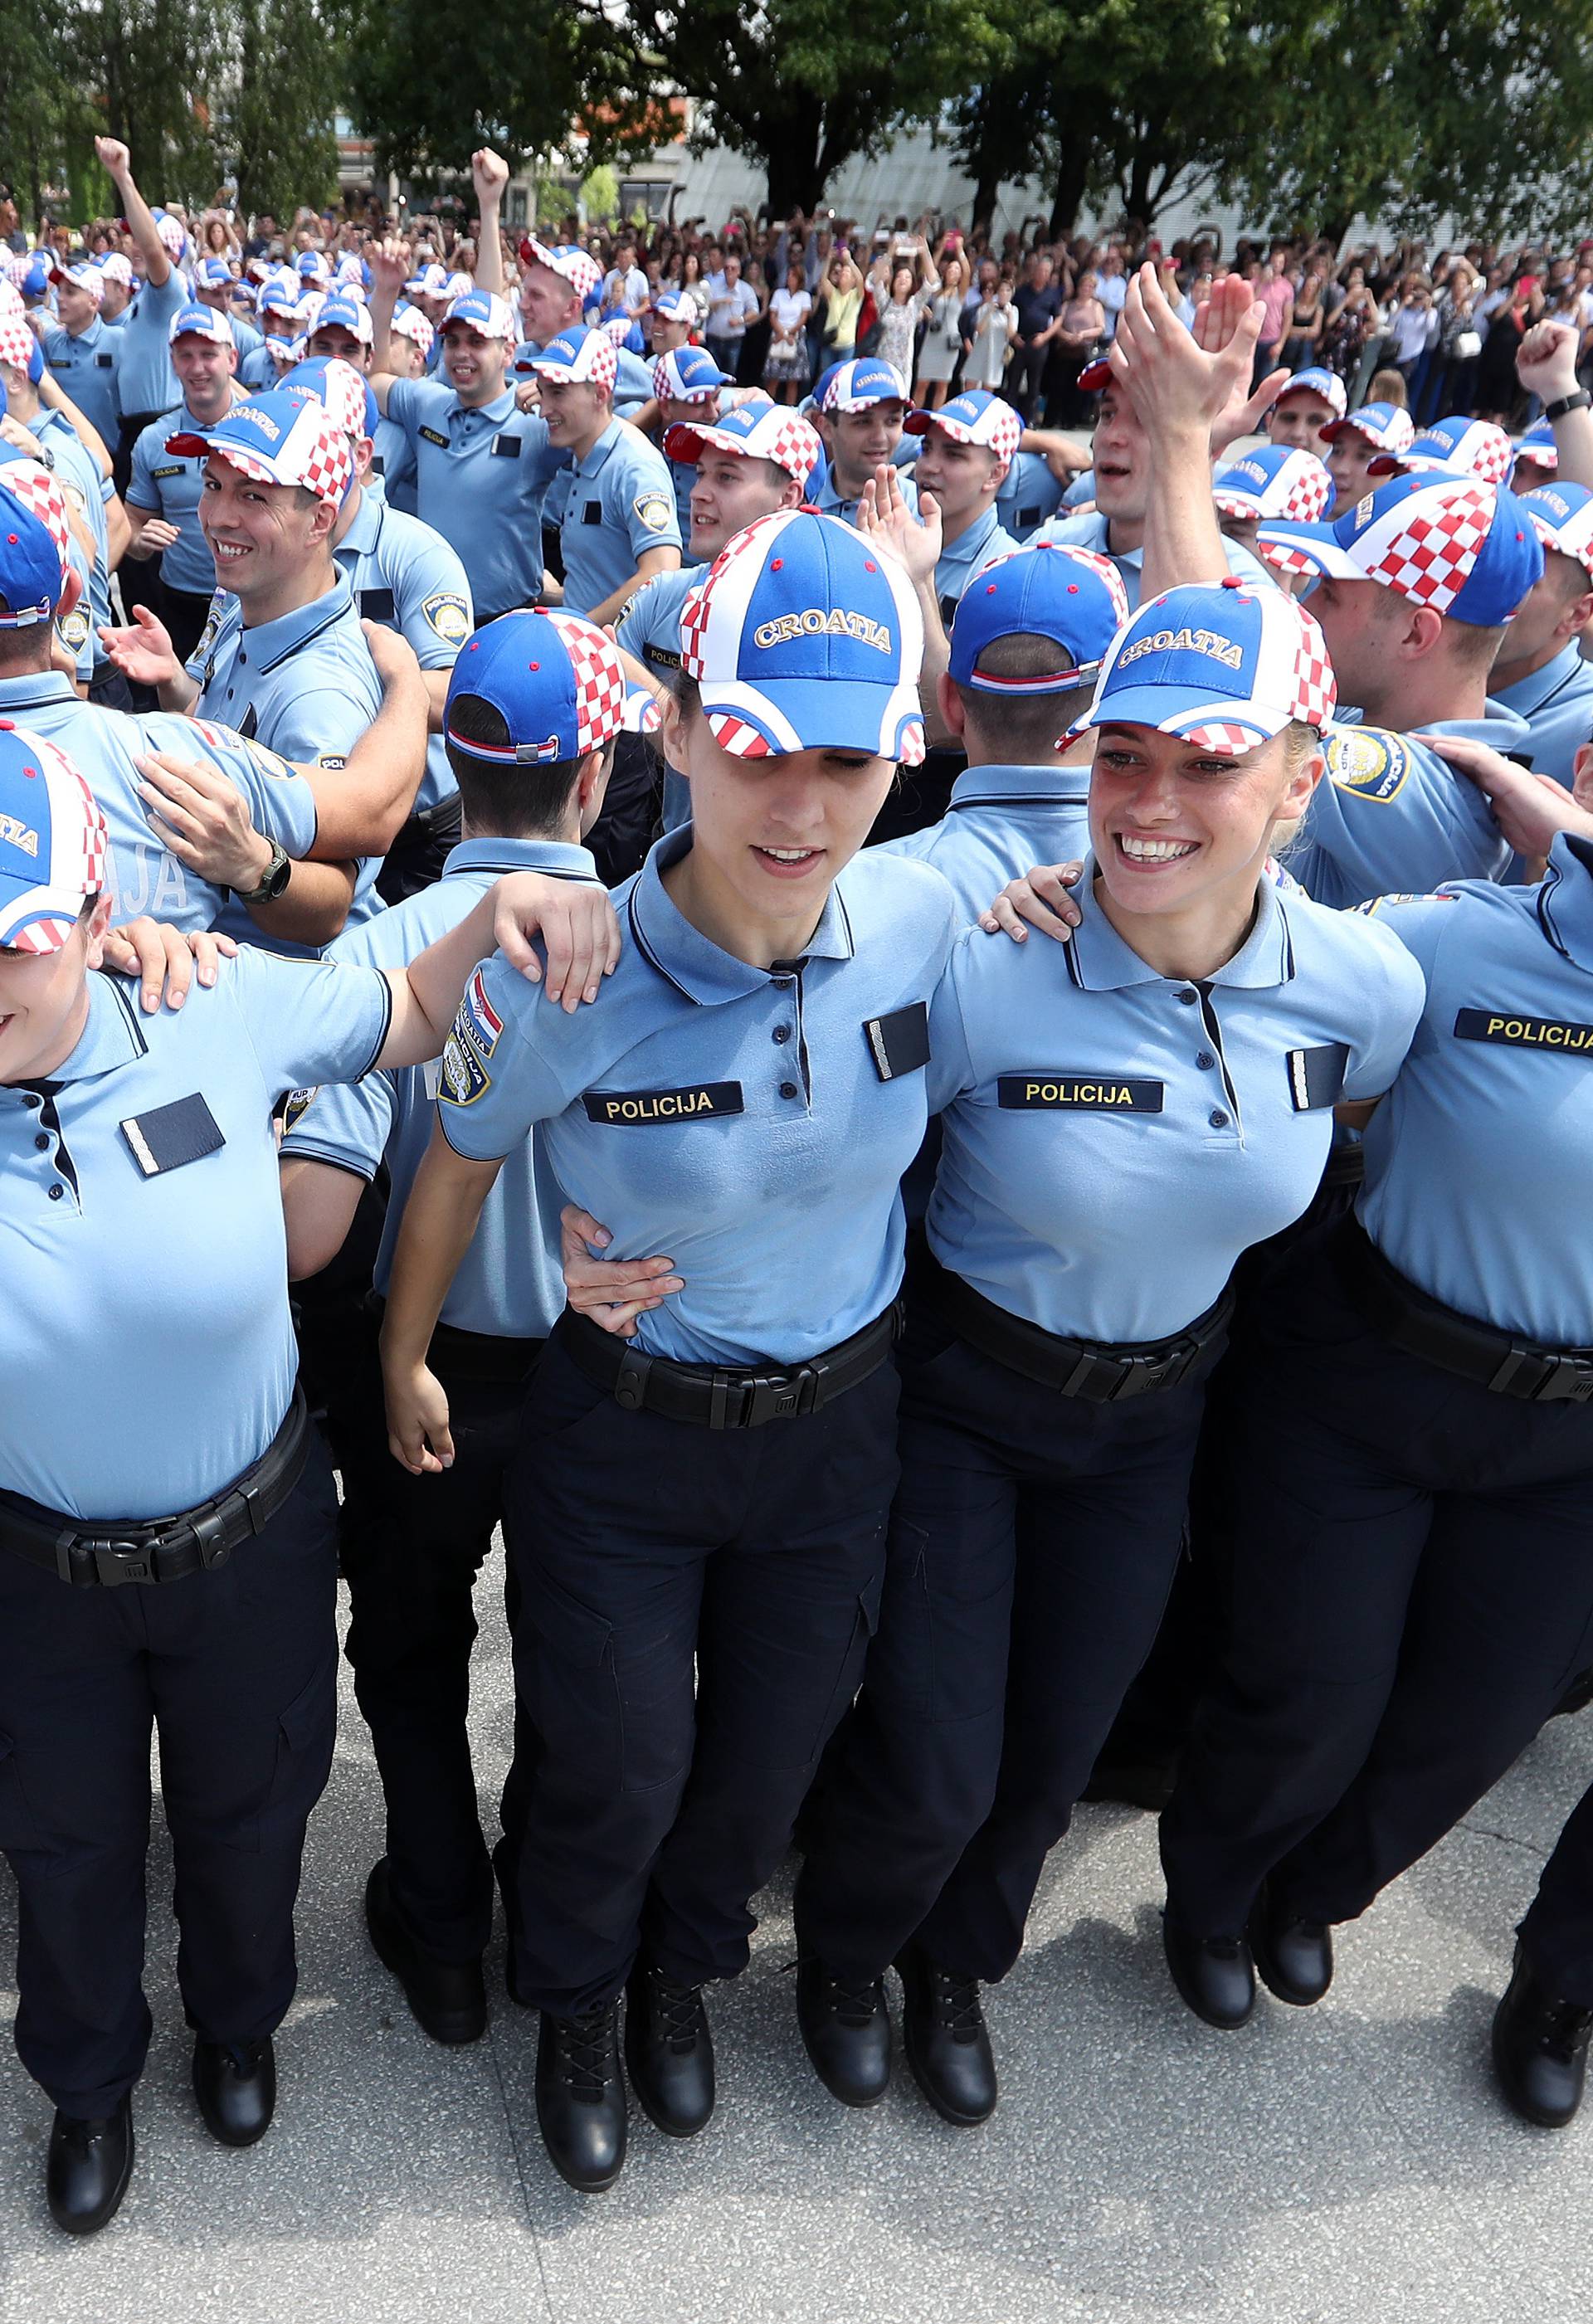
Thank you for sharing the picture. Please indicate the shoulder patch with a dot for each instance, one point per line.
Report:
(72, 629)
(478, 1021)
(1376, 904)
(447, 617)
(655, 510)
(296, 1105)
(1367, 760)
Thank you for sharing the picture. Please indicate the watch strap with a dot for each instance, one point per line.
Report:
(271, 886)
(1581, 401)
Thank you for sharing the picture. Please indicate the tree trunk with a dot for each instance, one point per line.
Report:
(796, 177)
(1071, 179)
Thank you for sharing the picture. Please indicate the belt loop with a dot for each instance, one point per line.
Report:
(719, 1402)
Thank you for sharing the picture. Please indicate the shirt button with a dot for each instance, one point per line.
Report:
(782, 1032)
(1218, 1119)
(42, 1143)
(1188, 999)
(56, 1193)
(32, 1100)
(787, 1089)
(1205, 1060)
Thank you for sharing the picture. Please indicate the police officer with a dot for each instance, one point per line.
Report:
(342, 331)
(279, 310)
(146, 384)
(413, 1547)
(1542, 674)
(1308, 402)
(81, 348)
(483, 466)
(686, 393)
(410, 344)
(164, 489)
(967, 447)
(406, 576)
(1546, 2015)
(557, 285)
(765, 1027)
(618, 527)
(116, 273)
(215, 286)
(1030, 492)
(1355, 442)
(861, 416)
(670, 321)
(1412, 1587)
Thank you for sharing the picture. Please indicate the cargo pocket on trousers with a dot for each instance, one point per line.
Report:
(574, 1694)
(307, 1733)
(850, 1676)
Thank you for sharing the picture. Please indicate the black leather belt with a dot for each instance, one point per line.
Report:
(1096, 1370)
(103, 1555)
(710, 1396)
(1408, 1318)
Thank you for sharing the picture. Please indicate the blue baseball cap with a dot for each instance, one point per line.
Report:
(1225, 669)
(201, 323)
(863, 381)
(1456, 447)
(689, 375)
(484, 311)
(759, 430)
(801, 638)
(673, 304)
(1275, 480)
(281, 295)
(347, 393)
(1562, 518)
(557, 681)
(1539, 446)
(1466, 548)
(341, 312)
(1388, 426)
(52, 842)
(34, 283)
(974, 416)
(1315, 381)
(33, 538)
(1073, 597)
(215, 274)
(278, 437)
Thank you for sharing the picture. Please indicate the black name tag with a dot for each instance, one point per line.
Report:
(436, 436)
(660, 654)
(376, 604)
(1316, 1076)
(1030, 517)
(183, 1131)
(506, 447)
(249, 724)
(635, 1109)
(1044, 1092)
(592, 513)
(948, 611)
(1524, 1032)
(899, 1043)
(105, 362)
(175, 470)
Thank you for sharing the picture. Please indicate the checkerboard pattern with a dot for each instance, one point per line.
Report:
(1429, 559)
(16, 341)
(600, 680)
(42, 919)
(579, 269)
(1316, 691)
(39, 494)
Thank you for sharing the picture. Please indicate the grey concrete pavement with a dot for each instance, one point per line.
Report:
(1341, 2165)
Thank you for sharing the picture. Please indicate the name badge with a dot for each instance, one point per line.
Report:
(899, 1043)
(634, 1109)
(174, 470)
(376, 604)
(105, 362)
(948, 611)
(436, 436)
(506, 447)
(1029, 517)
(660, 657)
(1524, 1032)
(172, 1135)
(249, 724)
(1316, 1076)
(591, 512)
(1043, 1093)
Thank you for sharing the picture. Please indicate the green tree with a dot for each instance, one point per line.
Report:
(287, 62)
(150, 68)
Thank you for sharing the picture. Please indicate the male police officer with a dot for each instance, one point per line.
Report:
(214, 287)
(1542, 673)
(1354, 443)
(164, 489)
(82, 350)
(618, 527)
(413, 1547)
(685, 390)
(968, 444)
(859, 416)
(278, 313)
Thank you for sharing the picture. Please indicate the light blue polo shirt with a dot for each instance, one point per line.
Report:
(1092, 530)
(480, 476)
(1000, 823)
(753, 1123)
(648, 628)
(104, 746)
(406, 576)
(305, 686)
(86, 369)
(511, 1282)
(167, 484)
(1557, 703)
(980, 545)
(148, 1356)
(1390, 816)
(1476, 1160)
(621, 503)
(392, 458)
(145, 380)
(1029, 493)
(87, 492)
(683, 476)
(1113, 1139)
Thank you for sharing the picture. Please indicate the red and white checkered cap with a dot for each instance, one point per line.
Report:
(83, 277)
(413, 323)
(1224, 668)
(44, 885)
(579, 269)
(277, 439)
(343, 392)
(974, 416)
(115, 268)
(16, 341)
(600, 679)
(11, 297)
(40, 494)
(618, 328)
(1452, 447)
(172, 235)
(668, 387)
(578, 355)
(752, 431)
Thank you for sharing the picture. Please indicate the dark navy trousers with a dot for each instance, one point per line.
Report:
(1412, 1590)
(695, 1606)
(1556, 1934)
(1033, 1544)
(237, 1672)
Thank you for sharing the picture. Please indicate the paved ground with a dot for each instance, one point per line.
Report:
(1339, 2166)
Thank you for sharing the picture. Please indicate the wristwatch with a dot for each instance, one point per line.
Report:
(1581, 401)
(278, 872)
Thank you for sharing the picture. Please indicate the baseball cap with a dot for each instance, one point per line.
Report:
(1316, 381)
(865, 380)
(52, 842)
(578, 355)
(431, 283)
(1466, 548)
(556, 680)
(280, 295)
(689, 375)
(1454, 447)
(16, 340)
(484, 311)
(1073, 597)
(215, 274)
(173, 235)
(1385, 425)
(800, 638)
(84, 275)
(242, 293)
(1562, 518)
(343, 313)
(673, 304)
(413, 323)
(312, 267)
(1276, 481)
(754, 432)
(34, 281)
(974, 416)
(278, 437)
(1538, 445)
(34, 555)
(579, 269)
(642, 713)
(458, 284)
(347, 393)
(116, 268)
(196, 322)
(1225, 669)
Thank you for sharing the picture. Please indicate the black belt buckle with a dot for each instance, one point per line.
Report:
(1569, 1380)
(779, 1395)
(113, 1562)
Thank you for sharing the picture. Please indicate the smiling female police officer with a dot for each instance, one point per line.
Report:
(138, 1209)
(712, 1495)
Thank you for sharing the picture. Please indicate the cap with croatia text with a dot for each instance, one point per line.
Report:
(689, 375)
(281, 295)
(1456, 447)
(800, 638)
(1562, 518)
(674, 304)
(215, 274)
(1225, 669)
(557, 681)
(34, 544)
(577, 355)
(1276, 480)
(1465, 548)
(863, 381)
(1539, 446)
(83, 275)
(752, 431)
(52, 842)
(484, 311)
(579, 269)
(196, 322)
(347, 393)
(1388, 426)
(974, 416)
(1316, 381)
(1073, 597)
(341, 312)
(277, 439)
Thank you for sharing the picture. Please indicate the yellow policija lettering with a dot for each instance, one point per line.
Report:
(1200, 641)
(1535, 1033)
(819, 620)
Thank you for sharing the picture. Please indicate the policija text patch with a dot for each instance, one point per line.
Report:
(1087, 1092)
(635, 1109)
(1524, 1032)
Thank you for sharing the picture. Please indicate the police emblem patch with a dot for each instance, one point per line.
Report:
(1366, 760)
(465, 1077)
(655, 510)
(447, 617)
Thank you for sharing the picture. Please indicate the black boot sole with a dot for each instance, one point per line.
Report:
(580, 2186)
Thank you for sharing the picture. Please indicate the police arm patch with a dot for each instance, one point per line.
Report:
(464, 1076)
(1367, 760)
(447, 617)
(655, 510)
